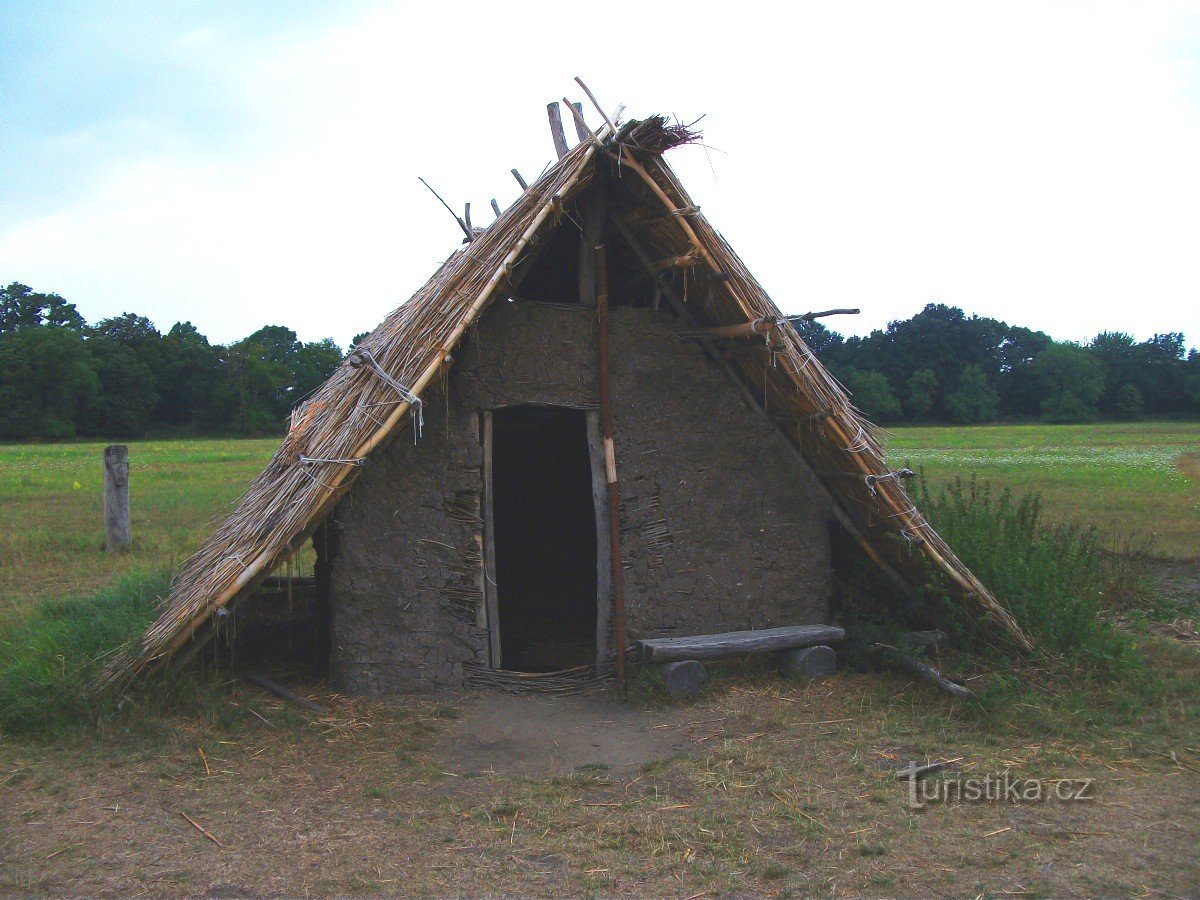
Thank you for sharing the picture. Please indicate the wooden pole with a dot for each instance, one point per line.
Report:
(610, 465)
(554, 114)
(116, 499)
(578, 117)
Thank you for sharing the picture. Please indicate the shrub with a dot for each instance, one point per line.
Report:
(1055, 580)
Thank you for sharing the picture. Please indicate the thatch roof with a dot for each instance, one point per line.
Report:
(356, 410)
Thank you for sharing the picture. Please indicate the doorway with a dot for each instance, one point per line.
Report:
(542, 539)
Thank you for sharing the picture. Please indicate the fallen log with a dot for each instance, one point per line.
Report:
(279, 690)
(733, 643)
(923, 671)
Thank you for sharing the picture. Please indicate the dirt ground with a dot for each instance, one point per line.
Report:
(763, 787)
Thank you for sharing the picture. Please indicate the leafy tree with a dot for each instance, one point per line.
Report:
(820, 339)
(188, 376)
(922, 393)
(872, 394)
(21, 307)
(313, 364)
(1072, 382)
(1129, 403)
(1018, 389)
(973, 399)
(358, 339)
(46, 376)
(1116, 352)
(126, 396)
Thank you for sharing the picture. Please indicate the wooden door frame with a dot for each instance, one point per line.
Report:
(603, 550)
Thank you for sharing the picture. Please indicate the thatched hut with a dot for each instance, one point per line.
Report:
(591, 425)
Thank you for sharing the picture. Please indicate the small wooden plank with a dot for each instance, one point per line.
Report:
(733, 643)
(554, 114)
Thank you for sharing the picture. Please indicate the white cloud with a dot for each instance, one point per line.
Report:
(1030, 162)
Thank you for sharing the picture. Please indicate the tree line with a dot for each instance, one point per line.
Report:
(942, 365)
(121, 377)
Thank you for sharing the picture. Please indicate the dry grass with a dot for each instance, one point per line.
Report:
(778, 790)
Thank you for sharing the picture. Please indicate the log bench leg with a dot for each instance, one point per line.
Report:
(683, 679)
(808, 662)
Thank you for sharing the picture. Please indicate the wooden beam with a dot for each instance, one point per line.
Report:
(733, 643)
(593, 207)
(521, 181)
(610, 465)
(279, 690)
(554, 114)
(745, 329)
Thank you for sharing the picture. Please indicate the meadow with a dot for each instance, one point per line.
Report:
(1131, 480)
(50, 510)
(1138, 482)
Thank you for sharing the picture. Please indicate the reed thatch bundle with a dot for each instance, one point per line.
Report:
(357, 410)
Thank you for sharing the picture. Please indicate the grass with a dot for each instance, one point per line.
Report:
(50, 656)
(1129, 479)
(50, 511)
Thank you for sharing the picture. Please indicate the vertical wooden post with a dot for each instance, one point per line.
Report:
(610, 465)
(116, 498)
(579, 127)
(490, 590)
(604, 604)
(554, 113)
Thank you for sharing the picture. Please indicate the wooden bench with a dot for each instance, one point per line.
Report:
(683, 675)
(734, 643)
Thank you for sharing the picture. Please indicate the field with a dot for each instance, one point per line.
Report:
(50, 510)
(763, 786)
(1129, 479)
(1138, 481)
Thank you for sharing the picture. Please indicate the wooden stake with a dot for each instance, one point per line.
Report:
(580, 131)
(554, 114)
(117, 538)
(610, 465)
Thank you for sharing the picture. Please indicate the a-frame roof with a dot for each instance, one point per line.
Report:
(360, 407)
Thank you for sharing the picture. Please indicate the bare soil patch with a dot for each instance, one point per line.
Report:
(538, 736)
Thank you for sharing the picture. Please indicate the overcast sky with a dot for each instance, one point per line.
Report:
(239, 164)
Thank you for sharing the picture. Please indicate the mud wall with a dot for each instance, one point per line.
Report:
(721, 526)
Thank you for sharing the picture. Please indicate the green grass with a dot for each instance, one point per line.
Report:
(1128, 479)
(49, 659)
(50, 511)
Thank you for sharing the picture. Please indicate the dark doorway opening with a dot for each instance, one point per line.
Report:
(544, 537)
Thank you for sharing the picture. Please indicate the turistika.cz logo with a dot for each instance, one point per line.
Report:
(992, 787)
